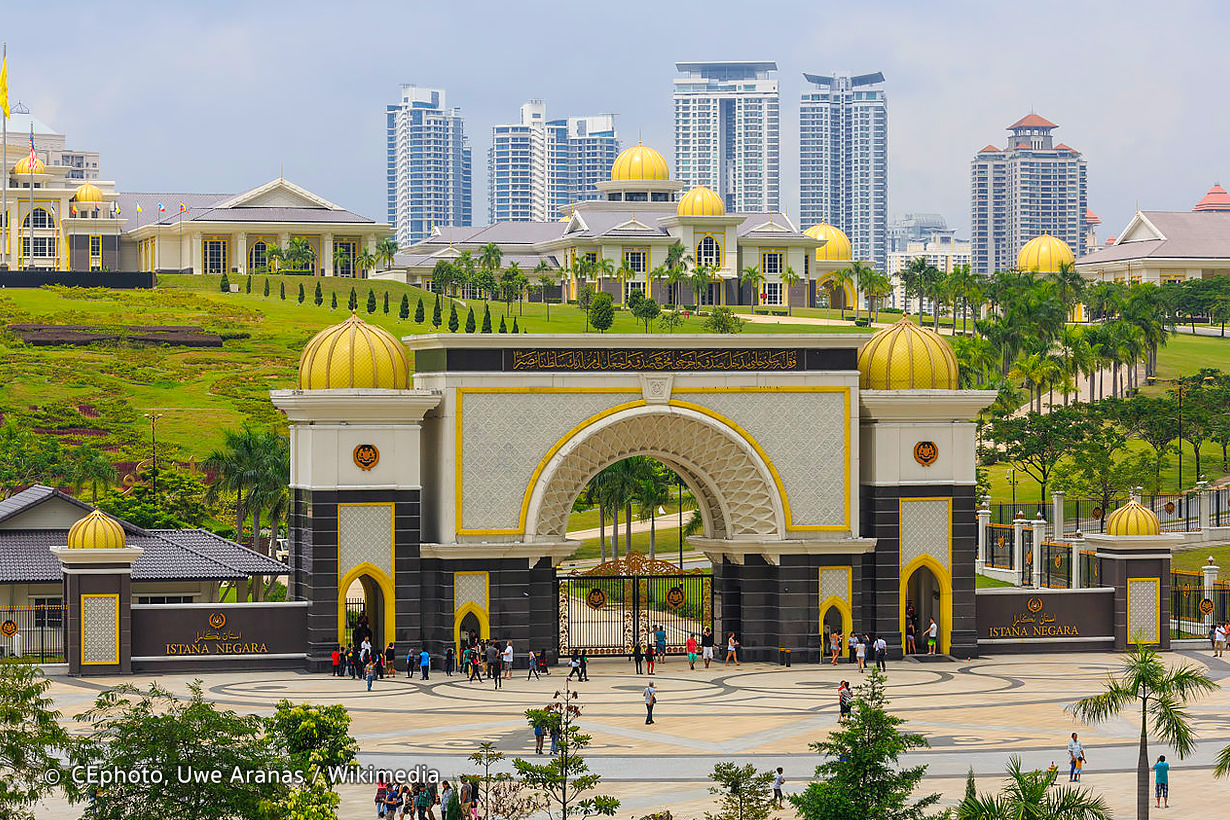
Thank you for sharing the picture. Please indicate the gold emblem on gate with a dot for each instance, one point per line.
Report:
(1034, 604)
(8, 628)
(1206, 606)
(925, 453)
(366, 456)
(217, 620)
(675, 597)
(596, 599)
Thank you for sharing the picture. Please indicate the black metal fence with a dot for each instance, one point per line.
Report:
(1056, 565)
(1187, 620)
(1027, 556)
(1091, 569)
(610, 615)
(1001, 543)
(1176, 512)
(33, 633)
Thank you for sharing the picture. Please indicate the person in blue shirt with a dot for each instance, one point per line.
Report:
(424, 664)
(659, 637)
(1161, 774)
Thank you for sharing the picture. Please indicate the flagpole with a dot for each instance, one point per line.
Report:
(5, 164)
(30, 217)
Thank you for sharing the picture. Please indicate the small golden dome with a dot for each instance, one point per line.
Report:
(1133, 518)
(23, 166)
(89, 192)
(353, 354)
(836, 248)
(566, 218)
(96, 531)
(907, 357)
(639, 163)
(701, 201)
(1044, 254)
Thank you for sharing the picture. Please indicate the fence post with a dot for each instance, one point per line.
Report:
(1018, 545)
(1206, 504)
(1077, 562)
(1039, 525)
(1057, 513)
(1210, 577)
(984, 521)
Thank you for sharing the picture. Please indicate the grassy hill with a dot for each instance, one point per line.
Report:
(99, 393)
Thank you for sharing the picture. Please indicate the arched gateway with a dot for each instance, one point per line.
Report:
(817, 478)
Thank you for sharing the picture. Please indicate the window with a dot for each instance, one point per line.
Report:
(633, 286)
(42, 219)
(772, 263)
(44, 246)
(772, 293)
(95, 253)
(166, 599)
(709, 252)
(344, 254)
(48, 612)
(636, 259)
(215, 253)
(258, 257)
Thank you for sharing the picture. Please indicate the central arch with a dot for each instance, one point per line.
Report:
(733, 483)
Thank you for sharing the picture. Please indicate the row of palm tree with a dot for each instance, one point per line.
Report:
(253, 468)
(484, 275)
(634, 486)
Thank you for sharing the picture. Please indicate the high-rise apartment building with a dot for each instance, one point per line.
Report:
(537, 166)
(728, 132)
(429, 169)
(843, 160)
(1029, 188)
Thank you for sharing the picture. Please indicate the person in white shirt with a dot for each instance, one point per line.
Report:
(933, 636)
(651, 698)
(881, 651)
(779, 780)
(508, 660)
(860, 654)
(1076, 758)
(1219, 640)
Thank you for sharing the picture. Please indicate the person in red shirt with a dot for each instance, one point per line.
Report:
(692, 651)
(336, 657)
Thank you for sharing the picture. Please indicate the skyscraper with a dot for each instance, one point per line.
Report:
(728, 132)
(843, 160)
(1031, 187)
(537, 166)
(428, 164)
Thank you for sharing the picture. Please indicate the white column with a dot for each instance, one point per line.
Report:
(1018, 547)
(1057, 513)
(1210, 577)
(1039, 525)
(1077, 544)
(1206, 505)
(326, 252)
(240, 262)
(198, 259)
(984, 520)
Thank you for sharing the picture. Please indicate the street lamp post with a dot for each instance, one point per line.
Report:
(153, 437)
(679, 495)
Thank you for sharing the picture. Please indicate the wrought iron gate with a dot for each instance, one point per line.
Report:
(608, 609)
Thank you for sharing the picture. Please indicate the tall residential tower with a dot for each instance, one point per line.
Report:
(1031, 187)
(428, 164)
(727, 132)
(537, 166)
(843, 160)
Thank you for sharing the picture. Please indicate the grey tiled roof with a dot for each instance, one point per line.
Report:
(224, 551)
(24, 500)
(170, 200)
(1189, 235)
(278, 214)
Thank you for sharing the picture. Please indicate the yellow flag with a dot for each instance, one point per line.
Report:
(4, 88)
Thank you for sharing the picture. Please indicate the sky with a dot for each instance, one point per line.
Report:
(222, 96)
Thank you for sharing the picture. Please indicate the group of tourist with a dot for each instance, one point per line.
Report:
(361, 661)
(409, 800)
(861, 646)
(1219, 633)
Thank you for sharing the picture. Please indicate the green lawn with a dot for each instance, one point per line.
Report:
(986, 582)
(1191, 560)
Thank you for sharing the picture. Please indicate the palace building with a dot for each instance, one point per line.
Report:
(628, 231)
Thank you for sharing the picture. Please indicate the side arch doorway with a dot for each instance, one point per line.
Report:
(363, 610)
(926, 595)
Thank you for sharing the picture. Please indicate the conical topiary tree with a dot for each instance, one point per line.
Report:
(515, 325)
(371, 301)
(225, 284)
(353, 303)
(486, 318)
(435, 314)
(453, 324)
(266, 287)
(503, 327)
(419, 313)
(404, 311)
(319, 296)
(470, 325)
(333, 301)
(302, 295)
(386, 303)
(247, 287)
(282, 291)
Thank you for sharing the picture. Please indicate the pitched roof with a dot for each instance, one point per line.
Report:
(1170, 235)
(989, 149)
(1215, 200)
(1021, 146)
(1091, 218)
(1032, 121)
(1064, 147)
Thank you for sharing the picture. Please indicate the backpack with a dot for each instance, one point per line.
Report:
(847, 697)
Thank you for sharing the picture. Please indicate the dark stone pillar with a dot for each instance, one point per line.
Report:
(98, 609)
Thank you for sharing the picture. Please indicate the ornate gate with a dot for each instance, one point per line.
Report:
(608, 609)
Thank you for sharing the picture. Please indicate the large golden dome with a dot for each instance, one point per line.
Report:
(1044, 254)
(836, 248)
(353, 354)
(907, 357)
(23, 166)
(701, 201)
(1133, 518)
(96, 531)
(89, 192)
(638, 163)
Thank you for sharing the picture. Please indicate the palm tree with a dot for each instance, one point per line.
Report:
(700, 280)
(1033, 795)
(386, 250)
(651, 493)
(876, 286)
(659, 274)
(1161, 693)
(343, 261)
(789, 280)
(862, 273)
(490, 257)
(237, 470)
(547, 278)
(751, 275)
(603, 269)
(91, 468)
(274, 254)
(299, 255)
(911, 283)
(1069, 286)
(365, 261)
(624, 274)
(842, 279)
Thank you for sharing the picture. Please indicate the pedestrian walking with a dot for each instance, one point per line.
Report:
(574, 664)
(651, 698)
(692, 647)
(412, 660)
(356, 664)
(659, 637)
(1219, 640)
(533, 659)
(637, 657)
(933, 634)
(852, 642)
(881, 652)
(476, 668)
(845, 701)
(584, 664)
(450, 658)
(369, 674)
(424, 664)
(390, 655)
(835, 645)
(651, 653)
(860, 654)
(732, 650)
(507, 660)
(706, 646)
(1076, 759)
(779, 782)
(911, 647)
(336, 658)
(1161, 781)
(555, 737)
(497, 667)
(540, 734)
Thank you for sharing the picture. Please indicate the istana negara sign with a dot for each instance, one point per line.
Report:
(607, 359)
(1037, 616)
(1034, 622)
(223, 630)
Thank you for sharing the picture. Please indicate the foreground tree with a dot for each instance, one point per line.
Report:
(723, 320)
(601, 312)
(504, 797)
(1161, 693)
(860, 778)
(1033, 795)
(314, 739)
(746, 793)
(29, 459)
(31, 740)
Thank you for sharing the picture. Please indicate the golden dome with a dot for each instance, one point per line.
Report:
(907, 357)
(353, 354)
(1044, 254)
(1133, 518)
(23, 166)
(836, 248)
(89, 192)
(701, 201)
(96, 531)
(640, 162)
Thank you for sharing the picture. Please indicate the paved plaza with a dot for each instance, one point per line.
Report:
(974, 713)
